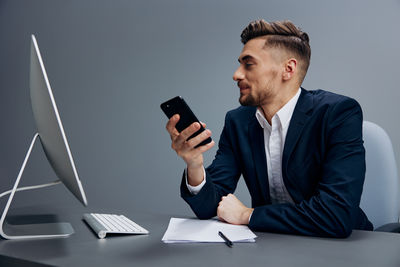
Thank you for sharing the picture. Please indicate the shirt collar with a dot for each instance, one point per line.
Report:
(284, 114)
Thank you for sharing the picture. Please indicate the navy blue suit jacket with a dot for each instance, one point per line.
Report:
(323, 168)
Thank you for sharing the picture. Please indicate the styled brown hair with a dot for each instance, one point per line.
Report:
(282, 34)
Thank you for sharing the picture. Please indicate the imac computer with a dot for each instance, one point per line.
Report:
(51, 134)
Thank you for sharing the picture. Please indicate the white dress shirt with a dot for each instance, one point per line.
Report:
(274, 141)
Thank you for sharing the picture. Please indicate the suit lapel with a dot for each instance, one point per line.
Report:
(256, 136)
(301, 114)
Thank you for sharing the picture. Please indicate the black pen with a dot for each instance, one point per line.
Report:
(227, 241)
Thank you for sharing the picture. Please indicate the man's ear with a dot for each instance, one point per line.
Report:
(290, 69)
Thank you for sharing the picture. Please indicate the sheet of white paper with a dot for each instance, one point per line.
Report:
(194, 230)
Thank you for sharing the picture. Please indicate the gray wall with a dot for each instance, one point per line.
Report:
(111, 63)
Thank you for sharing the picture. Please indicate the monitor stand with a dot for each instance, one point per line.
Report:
(31, 231)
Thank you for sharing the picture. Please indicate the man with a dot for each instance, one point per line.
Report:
(300, 152)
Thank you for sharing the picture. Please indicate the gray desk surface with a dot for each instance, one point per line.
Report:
(362, 248)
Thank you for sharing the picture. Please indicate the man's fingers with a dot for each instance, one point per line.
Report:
(220, 215)
(204, 148)
(188, 152)
(194, 127)
(199, 138)
(185, 134)
(181, 137)
(171, 125)
(187, 148)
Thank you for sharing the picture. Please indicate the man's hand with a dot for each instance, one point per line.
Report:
(231, 210)
(186, 149)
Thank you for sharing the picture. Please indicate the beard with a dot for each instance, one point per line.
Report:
(256, 99)
(248, 100)
(260, 92)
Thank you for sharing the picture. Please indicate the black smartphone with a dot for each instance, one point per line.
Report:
(177, 105)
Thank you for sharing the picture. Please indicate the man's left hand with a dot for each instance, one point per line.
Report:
(231, 210)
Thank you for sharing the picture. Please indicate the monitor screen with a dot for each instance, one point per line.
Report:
(49, 126)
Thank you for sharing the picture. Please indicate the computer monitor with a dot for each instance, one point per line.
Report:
(55, 145)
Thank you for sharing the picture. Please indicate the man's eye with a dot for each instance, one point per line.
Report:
(248, 65)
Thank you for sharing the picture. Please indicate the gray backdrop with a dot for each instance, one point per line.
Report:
(111, 64)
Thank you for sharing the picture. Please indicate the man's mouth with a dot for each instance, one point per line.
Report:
(243, 87)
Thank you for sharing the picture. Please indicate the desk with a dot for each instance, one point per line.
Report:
(362, 249)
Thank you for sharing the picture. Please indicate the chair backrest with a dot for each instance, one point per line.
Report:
(380, 197)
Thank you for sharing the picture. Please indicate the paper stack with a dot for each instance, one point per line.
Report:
(194, 230)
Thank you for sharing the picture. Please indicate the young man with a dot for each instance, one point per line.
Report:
(300, 152)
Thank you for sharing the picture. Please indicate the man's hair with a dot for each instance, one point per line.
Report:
(282, 34)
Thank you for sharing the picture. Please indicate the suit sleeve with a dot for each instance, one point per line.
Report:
(334, 208)
(222, 178)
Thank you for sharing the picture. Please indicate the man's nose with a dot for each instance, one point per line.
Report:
(238, 74)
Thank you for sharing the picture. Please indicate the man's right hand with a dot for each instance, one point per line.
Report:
(186, 149)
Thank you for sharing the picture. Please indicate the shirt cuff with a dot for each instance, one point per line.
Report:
(194, 190)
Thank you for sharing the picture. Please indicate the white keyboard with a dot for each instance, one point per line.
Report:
(103, 224)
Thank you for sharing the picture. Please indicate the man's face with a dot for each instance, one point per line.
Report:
(259, 73)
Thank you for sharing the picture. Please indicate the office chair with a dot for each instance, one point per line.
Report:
(380, 197)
